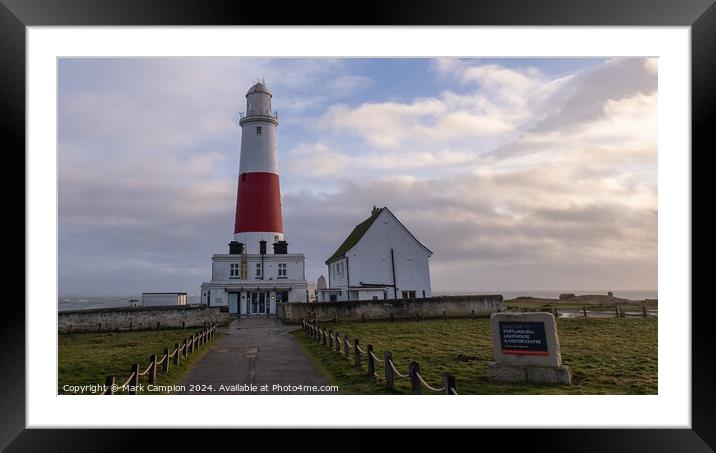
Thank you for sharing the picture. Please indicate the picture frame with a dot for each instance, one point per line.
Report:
(15, 16)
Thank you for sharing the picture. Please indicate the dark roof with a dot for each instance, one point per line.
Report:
(355, 235)
(361, 229)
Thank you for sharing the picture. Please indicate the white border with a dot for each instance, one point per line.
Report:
(670, 408)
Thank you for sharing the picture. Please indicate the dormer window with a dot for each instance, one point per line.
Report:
(258, 130)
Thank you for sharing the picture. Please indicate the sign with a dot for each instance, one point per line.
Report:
(523, 338)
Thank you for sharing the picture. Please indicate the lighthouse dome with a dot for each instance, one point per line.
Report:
(259, 87)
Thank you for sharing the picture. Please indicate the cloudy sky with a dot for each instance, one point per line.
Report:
(517, 173)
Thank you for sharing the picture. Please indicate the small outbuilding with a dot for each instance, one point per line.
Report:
(163, 299)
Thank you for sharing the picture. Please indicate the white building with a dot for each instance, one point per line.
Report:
(380, 259)
(251, 280)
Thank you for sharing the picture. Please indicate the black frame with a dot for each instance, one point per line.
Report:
(15, 15)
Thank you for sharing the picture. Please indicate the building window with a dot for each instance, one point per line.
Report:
(281, 270)
(334, 298)
(375, 297)
(234, 272)
(408, 294)
(258, 130)
(259, 270)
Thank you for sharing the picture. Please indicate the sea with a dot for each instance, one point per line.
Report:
(74, 302)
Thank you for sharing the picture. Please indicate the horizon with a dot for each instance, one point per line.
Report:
(514, 171)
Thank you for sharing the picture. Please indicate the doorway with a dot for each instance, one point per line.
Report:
(258, 303)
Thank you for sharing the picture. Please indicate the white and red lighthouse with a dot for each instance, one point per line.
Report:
(258, 199)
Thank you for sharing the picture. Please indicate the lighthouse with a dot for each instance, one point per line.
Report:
(258, 197)
(253, 279)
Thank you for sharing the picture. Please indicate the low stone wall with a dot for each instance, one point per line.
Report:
(431, 307)
(139, 318)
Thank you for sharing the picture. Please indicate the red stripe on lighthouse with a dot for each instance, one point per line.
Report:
(258, 203)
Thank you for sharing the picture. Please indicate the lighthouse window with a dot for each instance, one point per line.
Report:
(281, 270)
(258, 130)
(234, 270)
(258, 270)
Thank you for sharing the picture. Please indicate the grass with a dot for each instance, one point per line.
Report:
(607, 356)
(545, 304)
(88, 358)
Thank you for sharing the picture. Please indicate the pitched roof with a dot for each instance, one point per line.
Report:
(355, 235)
(360, 230)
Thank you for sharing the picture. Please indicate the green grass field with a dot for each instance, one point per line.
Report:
(607, 356)
(87, 358)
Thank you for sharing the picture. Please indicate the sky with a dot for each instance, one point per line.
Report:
(518, 174)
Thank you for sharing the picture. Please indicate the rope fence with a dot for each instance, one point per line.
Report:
(188, 346)
(333, 341)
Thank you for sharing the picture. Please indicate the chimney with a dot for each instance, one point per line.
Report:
(280, 248)
(236, 248)
(262, 247)
(374, 211)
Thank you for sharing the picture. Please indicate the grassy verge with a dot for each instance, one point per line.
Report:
(88, 358)
(607, 356)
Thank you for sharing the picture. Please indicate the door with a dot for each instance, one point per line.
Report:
(262, 303)
(259, 303)
(234, 303)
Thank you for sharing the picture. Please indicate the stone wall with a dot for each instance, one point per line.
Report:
(431, 307)
(139, 318)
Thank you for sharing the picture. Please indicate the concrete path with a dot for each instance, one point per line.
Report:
(255, 352)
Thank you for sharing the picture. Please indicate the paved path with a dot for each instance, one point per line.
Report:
(255, 351)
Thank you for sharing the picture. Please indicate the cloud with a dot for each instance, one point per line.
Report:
(515, 179)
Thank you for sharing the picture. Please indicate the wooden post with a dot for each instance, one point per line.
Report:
(338, 343)
(616, 308)
(450, 384)
(413, 370)
(165, 364)
(444, 315)
(362, 318)
(324, 336)
(584, 309)
(186, 354)
(153, 369)
(135, 380)
(371, 362)
(176, 354)
(319, 334)
(99, 330)
(388, 356)
(391, 317)
(130, 326)
(183, 324)
(346, 346)
(157, 325)
(330, 338)
(417, 317)
(109, 385)
(356, 353)
(643, 311)
(472, 314)
(193, 343)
